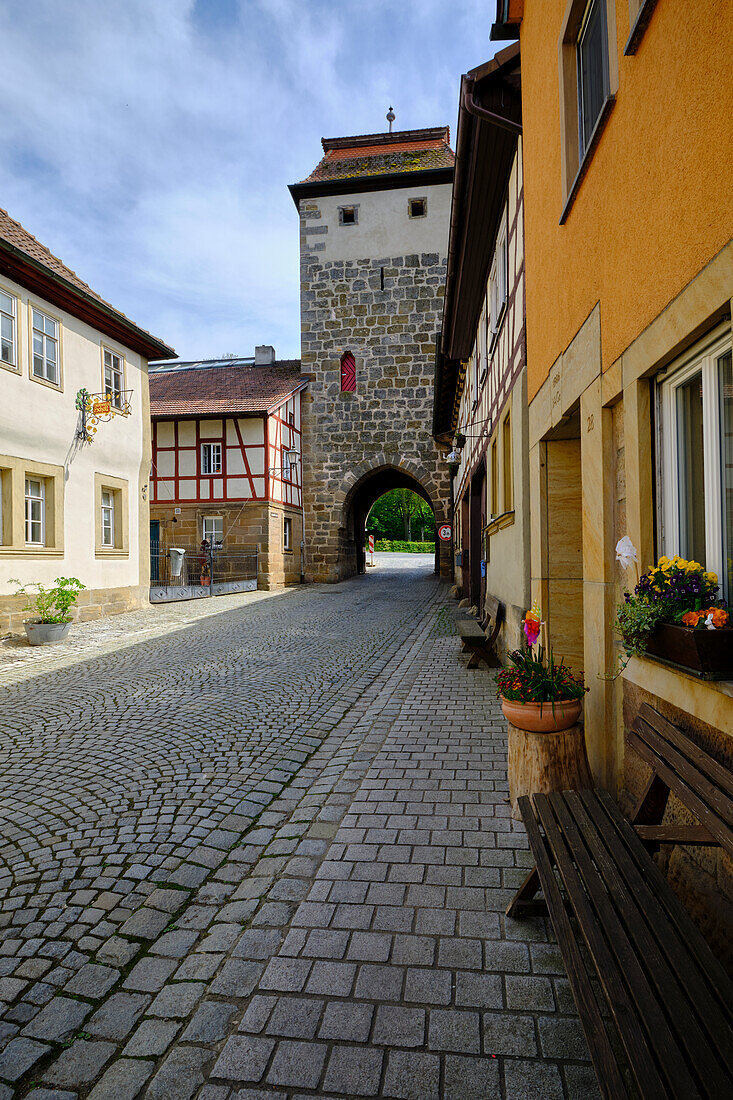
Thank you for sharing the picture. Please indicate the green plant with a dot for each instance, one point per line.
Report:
(405, 547)
(538, 678)
(50, 605)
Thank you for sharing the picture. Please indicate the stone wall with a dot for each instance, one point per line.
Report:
(92, 603)
(386, 311)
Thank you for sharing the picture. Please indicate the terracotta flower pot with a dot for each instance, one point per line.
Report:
(560, 715)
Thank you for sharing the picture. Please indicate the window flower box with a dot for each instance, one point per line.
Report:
(706, 653)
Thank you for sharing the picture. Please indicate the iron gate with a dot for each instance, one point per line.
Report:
(191, 573)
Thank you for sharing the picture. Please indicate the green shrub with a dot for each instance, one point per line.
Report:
(396, 546)
(50, 605)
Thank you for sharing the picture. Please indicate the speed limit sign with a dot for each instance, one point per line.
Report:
(444, 532)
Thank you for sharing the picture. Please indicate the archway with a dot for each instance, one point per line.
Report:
(358, 499)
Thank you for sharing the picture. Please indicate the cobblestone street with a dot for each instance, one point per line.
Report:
(267, 856)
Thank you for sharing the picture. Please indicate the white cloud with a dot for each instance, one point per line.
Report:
(149, 143)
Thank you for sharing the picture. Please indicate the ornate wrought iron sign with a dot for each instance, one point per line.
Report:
(98, 408)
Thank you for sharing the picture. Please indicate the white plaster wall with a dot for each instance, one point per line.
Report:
(39, 423)
(384, 227)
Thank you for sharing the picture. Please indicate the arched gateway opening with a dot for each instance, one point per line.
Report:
(366, 487)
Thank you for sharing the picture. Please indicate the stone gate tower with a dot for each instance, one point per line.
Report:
(374, 219)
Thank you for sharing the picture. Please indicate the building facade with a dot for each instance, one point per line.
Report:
(373, 238)
(628, 217)
(226, 440)
(480, 402)
(74, 485)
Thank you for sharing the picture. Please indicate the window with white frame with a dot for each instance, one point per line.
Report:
(696, 458)
(8, 331)
(114, 377)
(108, 518)
(35, 511)
(213, 530)
(499, 277)
(211, 458)
(592, 69)
(287, 474)
(287, 534)
(45, 347)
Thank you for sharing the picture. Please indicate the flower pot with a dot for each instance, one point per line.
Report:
(706, 653)
(542, 717)
(45, 633)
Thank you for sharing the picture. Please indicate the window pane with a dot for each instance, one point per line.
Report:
(592, 70)
(50, 327)
(725, 364)
(6, 302)
(691, 470)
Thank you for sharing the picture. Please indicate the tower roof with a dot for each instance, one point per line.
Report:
(365, 162)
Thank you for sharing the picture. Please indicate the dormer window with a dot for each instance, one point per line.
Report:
(348, 215)
(417, 208)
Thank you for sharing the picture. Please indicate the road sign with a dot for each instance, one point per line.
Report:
(444, 532)
(371, 544)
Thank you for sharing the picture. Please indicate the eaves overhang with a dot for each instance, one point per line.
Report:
(356, 185)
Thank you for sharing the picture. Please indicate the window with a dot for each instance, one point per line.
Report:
(494, 479)
(592, 69)
(498, 277)
(696, 399)
(108, 518)
(348, 373)
(35, 511)
(211, 458)
(348, 215)
(114, 377)
(417, 208)
(45, 347)
(287, 534)
(8, 337)
(213, 530)
(507, 463)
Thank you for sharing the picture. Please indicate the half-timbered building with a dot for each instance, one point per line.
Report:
(226, 437)
(480, 392)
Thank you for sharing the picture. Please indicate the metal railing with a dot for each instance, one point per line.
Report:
(189, 573)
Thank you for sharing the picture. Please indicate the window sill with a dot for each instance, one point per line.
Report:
(45, 382)
(30, 552)
(641, 23)
(497, 523)
(10, 367)
(110, 552)
(588, 156)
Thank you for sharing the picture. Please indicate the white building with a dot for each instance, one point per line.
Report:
(70, 507)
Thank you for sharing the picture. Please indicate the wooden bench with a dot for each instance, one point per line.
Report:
(655, 1004)
(475, 639)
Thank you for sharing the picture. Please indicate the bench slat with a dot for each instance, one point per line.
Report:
(683, 990)
(680, 777)
(686, 930)
(663, 1073)
(469, 628)
(610, 1080)
(715, 772)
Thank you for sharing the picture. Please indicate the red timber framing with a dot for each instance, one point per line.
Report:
(252, 449)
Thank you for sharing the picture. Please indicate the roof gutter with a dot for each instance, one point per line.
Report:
(478, 111)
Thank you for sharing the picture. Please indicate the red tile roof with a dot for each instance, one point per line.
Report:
(383, 154)
(198, 390)
(12, 233)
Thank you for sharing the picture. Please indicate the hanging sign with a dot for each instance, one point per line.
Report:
(444, 532)
(101, 408)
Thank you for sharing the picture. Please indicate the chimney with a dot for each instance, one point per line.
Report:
(264, 355)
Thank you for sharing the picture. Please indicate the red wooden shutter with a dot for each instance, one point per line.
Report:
(348, 372)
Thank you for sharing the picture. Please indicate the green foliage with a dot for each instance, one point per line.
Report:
(399, 514)
(537, 678)
(50, 605)
(397, 545)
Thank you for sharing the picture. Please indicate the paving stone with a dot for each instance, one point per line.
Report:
(479, 990)
(59, 1020)
(412, 1076)
(237, 978)
(150, 974)
(581, 1083)
(258, 943)
(117, 1016)
(532, 1080)
(168, 901)
(297, 1065)
(471, 1079)
(117, 951)
(286, 975)
(428, 986)
(350, 1022)
(210, 1022)
(153, 1037)
(41, 1094)
(354, 1071)
(181, 1075)
(257, 1013)
(561, 1038)
(123, 1080)
(18, 1057)
(295, 1018)
(176, 1000)
(452, 1029)
(80, 1063)
(92, 981)
(331, 979)
(174, 944)
(145, 924)
(198, 967)
(244, 1058)
(399, 1027)
(529, 994)
(507, 1033)
(380, 983)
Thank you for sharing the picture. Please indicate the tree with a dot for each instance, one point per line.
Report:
(396, 514)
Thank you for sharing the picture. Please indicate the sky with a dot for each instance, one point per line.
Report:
(149, 143)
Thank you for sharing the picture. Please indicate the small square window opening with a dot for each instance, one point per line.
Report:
(348, 215)
(418, 208)
(210, 458)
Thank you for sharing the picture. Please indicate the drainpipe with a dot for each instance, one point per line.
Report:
(478, 111)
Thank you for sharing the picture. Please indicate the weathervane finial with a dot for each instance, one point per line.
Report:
(390, 118)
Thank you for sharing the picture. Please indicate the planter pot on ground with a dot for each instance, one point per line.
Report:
(46, 633)
(707, 653)
(542, 717)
